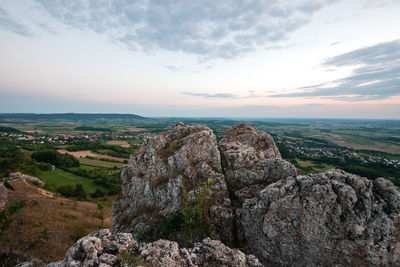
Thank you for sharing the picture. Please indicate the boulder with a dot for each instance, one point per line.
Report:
(328, 219)
(101, 248)
(251, 161)
(175, 182)
(3, 195)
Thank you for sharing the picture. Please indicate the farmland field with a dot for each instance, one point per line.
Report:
(118, 142)
(99, 163)
(88, 153)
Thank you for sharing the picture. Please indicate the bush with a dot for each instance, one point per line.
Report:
(77, 230)
(44, 166)
(8, 185)
(53, 157)
(98, 193)
(5, 215)
(80, 192)
(73, 191)
(67, 190)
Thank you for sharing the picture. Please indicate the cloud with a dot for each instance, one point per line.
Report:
(250, 94)
(206, 95)
(207, 29)
(340, 41)
(8, 23)
(376, 75)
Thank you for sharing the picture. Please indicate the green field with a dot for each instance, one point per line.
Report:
(60, 177)
(99, 163)
(85, 167)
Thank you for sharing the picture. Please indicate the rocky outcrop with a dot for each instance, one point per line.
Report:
(251, 161)
(3, 195)
(104, 249)
(332, 218)
(175, 181)
(183, 187)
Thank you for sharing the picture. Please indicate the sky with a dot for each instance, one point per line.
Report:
(271, 58)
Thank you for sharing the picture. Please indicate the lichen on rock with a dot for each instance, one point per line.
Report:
(326, 219)
(158, 181)
(101, 248)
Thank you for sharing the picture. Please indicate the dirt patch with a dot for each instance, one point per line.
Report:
(88, 153)
(33, 131)
(136, 130)
(118, 142)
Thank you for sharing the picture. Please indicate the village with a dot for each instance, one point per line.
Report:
(65, 139)
(307, 149)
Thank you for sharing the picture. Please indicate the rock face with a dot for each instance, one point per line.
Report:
(332, 218)
(104, 249)
(251, 161)
(3, 195)
(178, 173)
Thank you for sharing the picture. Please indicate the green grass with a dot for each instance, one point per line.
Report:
(99, 163)
(135, 141)
(60, 177)
(85, 167)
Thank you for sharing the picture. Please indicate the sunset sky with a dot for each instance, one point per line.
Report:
(301, 58)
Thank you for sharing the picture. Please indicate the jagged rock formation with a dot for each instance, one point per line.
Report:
(184, 179)
(251, 161)
(332, 218)
(175, 174)
(3, 195)
(104, 249)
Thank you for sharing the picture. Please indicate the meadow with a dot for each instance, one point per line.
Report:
(59, 178)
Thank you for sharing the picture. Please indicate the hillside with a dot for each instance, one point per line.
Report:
(47, 225)
(72, 117)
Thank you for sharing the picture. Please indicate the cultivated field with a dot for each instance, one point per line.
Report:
(88, 153)
(100, 163)
(362, 142)
(136, 130)
(118, 142)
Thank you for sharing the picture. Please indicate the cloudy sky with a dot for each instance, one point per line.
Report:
(271, 58)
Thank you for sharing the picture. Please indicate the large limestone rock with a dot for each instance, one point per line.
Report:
(3, 195)
(174, 173)
(104, 249)
(251, 161)
(327, 219)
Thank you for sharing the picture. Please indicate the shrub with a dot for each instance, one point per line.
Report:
(8, 185)
(131, 259)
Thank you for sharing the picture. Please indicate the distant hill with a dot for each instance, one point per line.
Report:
(73, 117)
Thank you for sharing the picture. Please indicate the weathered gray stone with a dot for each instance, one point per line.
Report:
(328, 219)
(250, 162)
(3, 195)
(103, 249)
(157, 182)
(250, 157)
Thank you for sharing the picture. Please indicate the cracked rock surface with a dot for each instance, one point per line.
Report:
(326, 219)
(165, 175)
(101, 248)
